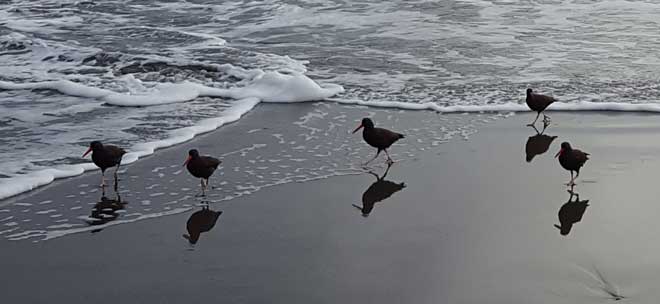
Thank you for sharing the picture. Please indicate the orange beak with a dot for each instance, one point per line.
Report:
(88, 150)
(187, 160)
(559, 153)
(358, 128)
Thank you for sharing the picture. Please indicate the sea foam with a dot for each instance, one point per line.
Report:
(261, 86)
(507, 107)
(266, 86)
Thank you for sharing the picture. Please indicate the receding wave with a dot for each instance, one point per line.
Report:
(262, 87)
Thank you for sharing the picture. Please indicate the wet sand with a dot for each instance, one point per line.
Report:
(473, 224)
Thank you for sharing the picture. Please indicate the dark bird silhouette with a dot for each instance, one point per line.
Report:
(571, 160)
(571, 212)
(105, 210)
(201, 221)
(104, 157)
(537, 144)
(380, 190)
(201, 167)
(538, 103)
(378, 138)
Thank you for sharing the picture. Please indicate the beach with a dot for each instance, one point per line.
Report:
(474, 209)
(465, 220)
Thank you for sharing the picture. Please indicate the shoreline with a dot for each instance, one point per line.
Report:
(26, 183)
(311, 164)
(473, 224)
(29, 182)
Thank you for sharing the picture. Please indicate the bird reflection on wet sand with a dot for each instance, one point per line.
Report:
(538, 144)
(199, 222)
(105, 210)
(571, 212)
(380, 190)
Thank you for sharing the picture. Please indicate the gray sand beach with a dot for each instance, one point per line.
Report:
(466, 219)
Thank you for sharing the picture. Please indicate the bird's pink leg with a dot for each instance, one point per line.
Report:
(571, 183)
(535, 119)
(102, 179)
(201, 183)
(389, 159)
(377, 153)
(206, 183)
(576, 176)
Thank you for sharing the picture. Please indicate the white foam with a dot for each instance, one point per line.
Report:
(508, 107)
(63, 86)
(214, 40)
(260, 86)
(278, 87)
(265, 86)
(22, 183)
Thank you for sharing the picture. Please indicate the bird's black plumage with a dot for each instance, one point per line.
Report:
(538, 103)
(571, 159)
(201, 167)
(378, 138)
(105, 156)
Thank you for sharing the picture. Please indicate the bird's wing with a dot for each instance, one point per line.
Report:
(387, 137)
(580, 156)
(544, 99)
(211, 162)
(115, 151)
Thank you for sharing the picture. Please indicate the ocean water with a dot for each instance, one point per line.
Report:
(151, 74)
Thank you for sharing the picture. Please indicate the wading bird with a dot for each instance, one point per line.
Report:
(104, 157)
(538, 103)
(378, 138)
(571, 160)
(201, 167)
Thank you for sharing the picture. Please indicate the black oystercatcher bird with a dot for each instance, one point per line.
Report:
(201, 167)
(200, 221)
(538, 103)
(571, 160)
(380, 190)
(537, 144)
(378, 138)
(571, 213)
(104, 157)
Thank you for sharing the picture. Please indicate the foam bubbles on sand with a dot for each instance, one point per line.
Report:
(197, 67)
(268, 162)
(262, 86)
(510, 106)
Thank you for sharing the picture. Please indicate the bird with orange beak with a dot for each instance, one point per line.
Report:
(571, 160)
(378, 138)
(201, 167)
(104, 157)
